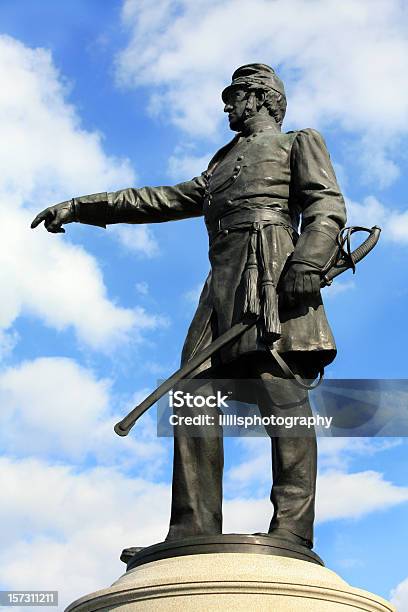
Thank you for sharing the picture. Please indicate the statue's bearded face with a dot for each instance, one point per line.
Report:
(235, 105)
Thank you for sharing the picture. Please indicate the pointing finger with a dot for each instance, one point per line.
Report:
(38, 219)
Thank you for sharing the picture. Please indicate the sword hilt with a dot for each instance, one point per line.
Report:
(351, 258)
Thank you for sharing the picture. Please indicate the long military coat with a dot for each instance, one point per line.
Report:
(264, 179)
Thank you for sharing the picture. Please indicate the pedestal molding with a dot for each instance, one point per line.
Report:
(225, 581)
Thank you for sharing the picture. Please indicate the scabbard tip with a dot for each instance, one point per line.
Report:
(120, 431)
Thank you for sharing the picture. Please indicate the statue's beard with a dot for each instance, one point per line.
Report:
(236, 123)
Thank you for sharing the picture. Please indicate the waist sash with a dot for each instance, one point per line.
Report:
(245, 218)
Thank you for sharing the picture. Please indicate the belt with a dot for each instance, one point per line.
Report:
(245, 218)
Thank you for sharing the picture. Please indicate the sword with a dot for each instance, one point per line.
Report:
(346, 260)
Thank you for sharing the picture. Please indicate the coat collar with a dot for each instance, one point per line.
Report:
(259, 123)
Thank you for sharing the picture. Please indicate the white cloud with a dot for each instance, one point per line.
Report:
(137, 239)
(339, 453)
(341, 495)
(184, 166)
(343, 63)
(45, 153)
(47, 156)
(373, 154)
(62, 284)
(399, 596)
(371, 211)
(247, 515)
(66, 529)
(54, 408)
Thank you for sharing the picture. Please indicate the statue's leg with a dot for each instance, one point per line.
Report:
(197, 480)
(294, 454)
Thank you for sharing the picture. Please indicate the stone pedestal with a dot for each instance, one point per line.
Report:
(228, 580)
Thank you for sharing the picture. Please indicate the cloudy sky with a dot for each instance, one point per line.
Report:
(97, 96)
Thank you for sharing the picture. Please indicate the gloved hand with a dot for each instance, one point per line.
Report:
(55, 216)
(301, 284)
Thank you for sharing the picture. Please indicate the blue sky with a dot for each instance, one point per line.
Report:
(98, 96)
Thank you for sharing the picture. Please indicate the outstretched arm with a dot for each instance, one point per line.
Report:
(145, 205)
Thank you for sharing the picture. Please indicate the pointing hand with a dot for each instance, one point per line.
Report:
(55, 216)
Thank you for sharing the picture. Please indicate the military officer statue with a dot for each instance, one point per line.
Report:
(257, 192)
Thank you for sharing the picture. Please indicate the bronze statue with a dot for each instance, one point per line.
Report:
(258, 189)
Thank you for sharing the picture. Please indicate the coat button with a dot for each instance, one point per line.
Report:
(237, 168)
(240, 157)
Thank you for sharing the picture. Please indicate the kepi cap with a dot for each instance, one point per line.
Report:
(256, 75)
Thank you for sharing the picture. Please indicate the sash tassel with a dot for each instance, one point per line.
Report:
(264, 298)
(252, 304)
